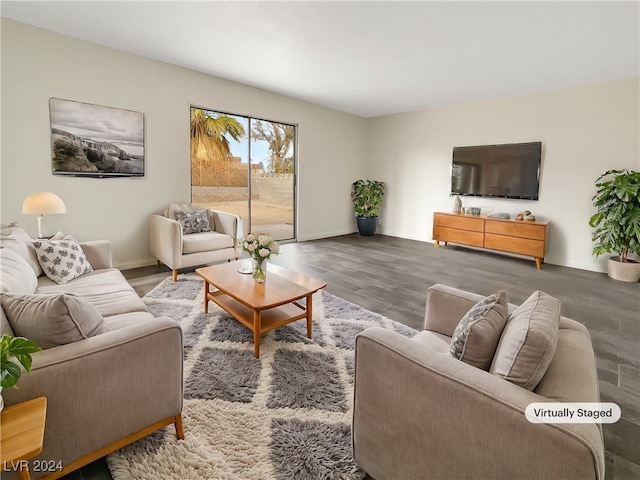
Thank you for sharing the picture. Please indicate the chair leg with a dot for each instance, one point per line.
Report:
(179, 429)
(174, 275)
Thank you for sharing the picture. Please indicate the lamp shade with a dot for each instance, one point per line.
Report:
(43, 203)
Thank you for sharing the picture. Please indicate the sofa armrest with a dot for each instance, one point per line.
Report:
(419, 412)
(99, 253)
(446, 306)
(166, 240)
(229, 224)
(103, 388)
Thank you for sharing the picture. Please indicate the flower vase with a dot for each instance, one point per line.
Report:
(259, 270)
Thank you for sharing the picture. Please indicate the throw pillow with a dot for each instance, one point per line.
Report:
(52, 320)
(476, 336)
(196, 221)
(15, 273)
(62, 260)
(16, 238)
(529, 341)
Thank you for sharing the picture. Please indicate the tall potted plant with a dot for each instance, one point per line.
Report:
(367, 199)
(617, 222)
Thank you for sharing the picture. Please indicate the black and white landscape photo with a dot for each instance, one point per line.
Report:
(96, 141)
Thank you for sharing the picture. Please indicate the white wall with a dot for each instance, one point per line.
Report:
(584, 131)
(38, 64)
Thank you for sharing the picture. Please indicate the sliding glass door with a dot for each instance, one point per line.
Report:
(245, 166)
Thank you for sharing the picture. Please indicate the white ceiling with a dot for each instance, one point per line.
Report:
(367, 58)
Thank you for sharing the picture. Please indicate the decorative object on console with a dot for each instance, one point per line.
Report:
(474, 211)
(260, 247)
(526, 216)
(457, 204)
(367, 200)
(41, 204)
(617, 227)
(502, 215)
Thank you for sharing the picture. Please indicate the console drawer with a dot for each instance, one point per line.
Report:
(459, 221)
(463, 237)
(516, 229)
(523, 246)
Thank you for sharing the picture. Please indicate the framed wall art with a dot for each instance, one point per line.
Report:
(95, 141)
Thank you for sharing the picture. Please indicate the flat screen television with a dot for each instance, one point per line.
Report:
(501, 171)
(95, 141)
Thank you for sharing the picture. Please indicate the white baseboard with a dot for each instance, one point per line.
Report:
(135, 264)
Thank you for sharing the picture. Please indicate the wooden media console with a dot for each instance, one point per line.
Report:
(512, 236)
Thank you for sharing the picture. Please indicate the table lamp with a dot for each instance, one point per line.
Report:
(41, 204)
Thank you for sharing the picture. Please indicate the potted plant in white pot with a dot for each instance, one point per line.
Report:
(367, 200)
(617, 222)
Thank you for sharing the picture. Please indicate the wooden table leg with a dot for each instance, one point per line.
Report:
(309, 315)
(256, 333)
(206, 297)
(539, 262)
(23, 472)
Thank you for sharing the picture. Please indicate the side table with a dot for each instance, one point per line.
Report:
(22, 435)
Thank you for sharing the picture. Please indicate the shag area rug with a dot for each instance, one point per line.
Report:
(286, 415)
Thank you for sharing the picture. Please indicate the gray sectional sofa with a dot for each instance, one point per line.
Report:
(107, 383)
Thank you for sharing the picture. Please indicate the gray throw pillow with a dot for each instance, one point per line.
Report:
(196, 221)
(529, 341)
(62, 260)
(476, 336)
(51, 320)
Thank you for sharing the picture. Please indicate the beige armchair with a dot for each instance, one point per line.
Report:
(176, 249)
(419, 413)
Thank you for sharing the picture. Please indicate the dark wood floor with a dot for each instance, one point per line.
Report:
(390, 276)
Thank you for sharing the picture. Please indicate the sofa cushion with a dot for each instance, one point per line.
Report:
(476, 336)
(16, 238)
(434, 340)
(196, 221)
(106, 289)
(15, 273)
(205, 242)
(529, 341)
(62, 260)
(52, 320)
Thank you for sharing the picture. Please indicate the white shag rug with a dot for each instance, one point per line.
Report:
(286, 415)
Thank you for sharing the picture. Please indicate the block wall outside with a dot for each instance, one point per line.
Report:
(269, 188)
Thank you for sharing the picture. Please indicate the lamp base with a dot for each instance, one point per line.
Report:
(41, 227)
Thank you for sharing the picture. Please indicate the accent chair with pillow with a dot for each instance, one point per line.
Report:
(188, 236)
(111, 372)
(450, 402)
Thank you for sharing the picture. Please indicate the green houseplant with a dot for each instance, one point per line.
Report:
(15, 354)
(617, 222)
(367, 200)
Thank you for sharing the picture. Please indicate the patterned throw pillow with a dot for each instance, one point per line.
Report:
(476, 336)
(62, 260)
(196, 221)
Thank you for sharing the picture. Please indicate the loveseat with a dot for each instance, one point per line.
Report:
(423, 411)
(111, 372)
(188, 236)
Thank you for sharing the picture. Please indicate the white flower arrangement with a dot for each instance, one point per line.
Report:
(260, 246)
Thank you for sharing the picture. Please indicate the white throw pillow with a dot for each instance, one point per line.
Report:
(62, 260)
(52, 320)
(15, 273)
(17, 239)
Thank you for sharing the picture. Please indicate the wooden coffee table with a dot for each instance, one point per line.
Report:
(260, 306)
